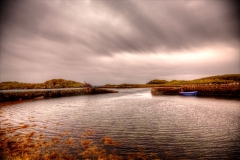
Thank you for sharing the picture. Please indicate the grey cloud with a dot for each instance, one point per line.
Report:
(176, 25)
(163, 26)
(69, 38)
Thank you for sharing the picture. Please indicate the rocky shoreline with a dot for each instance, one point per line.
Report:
(227, 91)
(16, 96)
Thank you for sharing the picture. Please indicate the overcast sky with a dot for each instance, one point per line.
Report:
(107, 41)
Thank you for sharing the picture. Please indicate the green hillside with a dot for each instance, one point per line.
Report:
(228, 77)
(54, 83)
(219, 79)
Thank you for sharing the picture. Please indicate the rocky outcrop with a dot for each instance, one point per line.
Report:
(15, 96)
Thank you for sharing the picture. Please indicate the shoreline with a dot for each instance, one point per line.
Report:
(218, 91)
(35, 95)
(10, 103)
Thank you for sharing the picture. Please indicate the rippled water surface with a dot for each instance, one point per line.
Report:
(186, 127)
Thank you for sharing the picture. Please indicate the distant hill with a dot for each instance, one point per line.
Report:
(220, 79)
(157, 81)
(227, 77)
(62, 83)
(53, 83)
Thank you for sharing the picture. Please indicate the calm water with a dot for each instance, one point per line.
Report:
(183, 127)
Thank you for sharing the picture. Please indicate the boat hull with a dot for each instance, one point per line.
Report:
(193, 93)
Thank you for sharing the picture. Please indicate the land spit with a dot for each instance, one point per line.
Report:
(16, 96)
(228, 91)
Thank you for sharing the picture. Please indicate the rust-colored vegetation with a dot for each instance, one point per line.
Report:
(22, 142)
(109, 141)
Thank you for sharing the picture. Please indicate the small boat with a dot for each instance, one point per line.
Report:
(193, 93)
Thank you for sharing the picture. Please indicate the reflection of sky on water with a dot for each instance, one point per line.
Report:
(145, 95)
(199, 127)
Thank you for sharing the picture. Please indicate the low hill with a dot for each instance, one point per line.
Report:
(220, 79)
(54, 83)
(157, 81)
(227, 77)
(61, 83)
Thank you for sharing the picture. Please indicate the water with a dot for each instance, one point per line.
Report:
(170, 126)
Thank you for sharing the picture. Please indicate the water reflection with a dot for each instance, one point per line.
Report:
(169, 126)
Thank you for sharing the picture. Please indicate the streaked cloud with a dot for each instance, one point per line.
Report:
(117, 41)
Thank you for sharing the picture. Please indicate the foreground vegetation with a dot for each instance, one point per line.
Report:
(54, 83)
(228, 79)
(23, 141)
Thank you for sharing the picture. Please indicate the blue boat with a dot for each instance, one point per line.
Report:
(193, 93)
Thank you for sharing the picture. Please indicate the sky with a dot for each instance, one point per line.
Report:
(114, 42)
